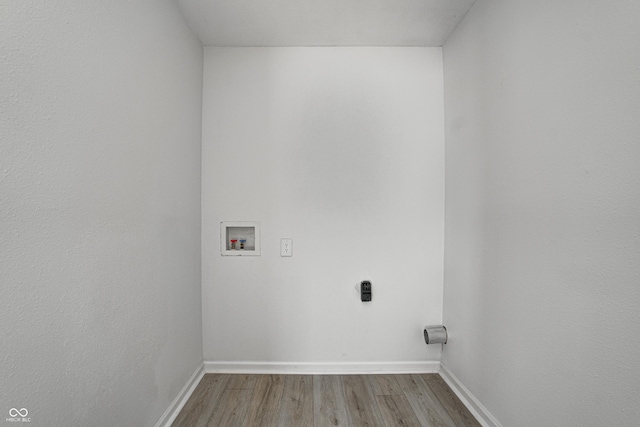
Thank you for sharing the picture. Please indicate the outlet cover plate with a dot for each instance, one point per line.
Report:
(286, 247)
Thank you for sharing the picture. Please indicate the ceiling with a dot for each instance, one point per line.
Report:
(324, 22)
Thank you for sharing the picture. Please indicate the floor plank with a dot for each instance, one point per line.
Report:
(383, 384)
(362, 407)
(242, 381)
(203, 401)
(455, 408)
(234, 402)
(396, 411)
(296, 408)
(265, 402)
(225, 400)
(425, 404)
(329, 405)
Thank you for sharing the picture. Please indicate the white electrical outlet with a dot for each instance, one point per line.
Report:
(286, 247)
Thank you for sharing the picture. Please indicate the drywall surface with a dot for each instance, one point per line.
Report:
(341, 150)
(542, 251)
(100, 124)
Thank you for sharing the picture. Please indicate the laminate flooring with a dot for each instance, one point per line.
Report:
(323, 400)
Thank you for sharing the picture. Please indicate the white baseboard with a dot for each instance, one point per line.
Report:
(322, 368)
(178, 403)
(481, 413)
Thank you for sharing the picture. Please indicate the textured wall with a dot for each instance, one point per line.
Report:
(99, 210)
(542, 250)
(340, 149)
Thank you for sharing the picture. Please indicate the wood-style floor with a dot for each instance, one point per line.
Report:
(323, 400)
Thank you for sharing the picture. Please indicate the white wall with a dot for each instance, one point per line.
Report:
(542, 272)
(340, 149)
(100, 113)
